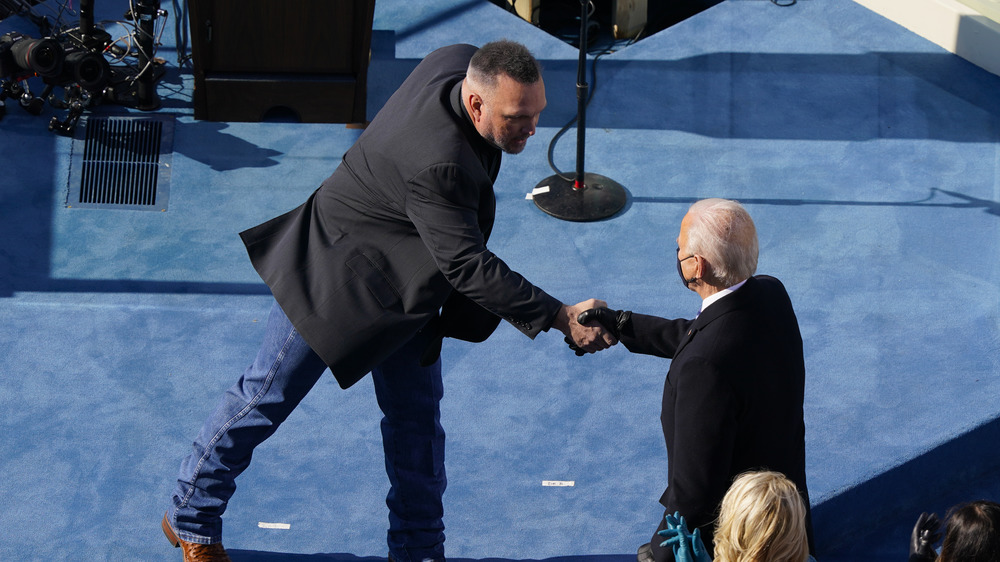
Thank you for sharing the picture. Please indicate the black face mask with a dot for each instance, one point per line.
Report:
(681, 273)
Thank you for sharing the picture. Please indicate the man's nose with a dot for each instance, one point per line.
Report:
(530, 129)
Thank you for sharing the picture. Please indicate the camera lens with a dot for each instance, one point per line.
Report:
(90, 70)
(43, 56)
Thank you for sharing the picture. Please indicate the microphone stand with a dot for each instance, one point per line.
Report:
(587, 197)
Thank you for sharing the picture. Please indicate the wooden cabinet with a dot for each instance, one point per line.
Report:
(259, 58)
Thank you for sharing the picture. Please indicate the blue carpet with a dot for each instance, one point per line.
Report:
(867, 156)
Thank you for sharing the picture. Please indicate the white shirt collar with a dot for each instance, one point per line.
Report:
(709, 300)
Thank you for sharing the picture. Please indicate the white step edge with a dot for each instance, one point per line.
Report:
(967, 28)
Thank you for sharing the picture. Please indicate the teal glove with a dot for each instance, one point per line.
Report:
(687, 546)
(698, 547)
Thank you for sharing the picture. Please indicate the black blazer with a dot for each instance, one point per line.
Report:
(398, 228)
(732, 401)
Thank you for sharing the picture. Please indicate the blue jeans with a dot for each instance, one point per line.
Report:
(285, 369)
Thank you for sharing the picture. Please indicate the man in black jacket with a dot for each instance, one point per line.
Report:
(732, 401)
(385, 259)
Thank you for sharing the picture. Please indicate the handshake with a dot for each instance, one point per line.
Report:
(591, 326)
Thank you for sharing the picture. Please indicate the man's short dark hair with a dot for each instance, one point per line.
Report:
(505, 57)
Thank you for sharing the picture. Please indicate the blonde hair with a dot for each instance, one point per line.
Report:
(762, 519)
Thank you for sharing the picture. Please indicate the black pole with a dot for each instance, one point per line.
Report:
(582, 89)
(86, 21)
(586, 197)
(146, 11)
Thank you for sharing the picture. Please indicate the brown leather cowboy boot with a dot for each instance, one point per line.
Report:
(194, 552)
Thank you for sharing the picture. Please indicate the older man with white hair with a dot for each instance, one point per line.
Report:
(733, 397)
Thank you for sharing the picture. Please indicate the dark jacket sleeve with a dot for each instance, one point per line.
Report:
(445, 213)
(652, 335)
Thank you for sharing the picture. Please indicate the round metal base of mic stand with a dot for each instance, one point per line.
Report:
(599, 198)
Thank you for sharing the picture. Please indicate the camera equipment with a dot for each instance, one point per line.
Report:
(59, 64)
(20, 92)
(89, 70)
(76, 60)
(20, 54)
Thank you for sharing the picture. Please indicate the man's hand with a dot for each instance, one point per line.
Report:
(586, 339)
(612, 320)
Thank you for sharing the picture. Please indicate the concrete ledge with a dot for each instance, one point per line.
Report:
(968, 28)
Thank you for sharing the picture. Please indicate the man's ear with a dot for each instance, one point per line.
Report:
(700, 267)
(475, 106)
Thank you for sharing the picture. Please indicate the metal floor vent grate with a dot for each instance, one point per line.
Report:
(121, 163)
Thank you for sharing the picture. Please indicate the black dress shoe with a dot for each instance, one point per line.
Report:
(645, 553)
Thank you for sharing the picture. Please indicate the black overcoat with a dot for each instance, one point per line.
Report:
(732, 401)
(399, 227)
